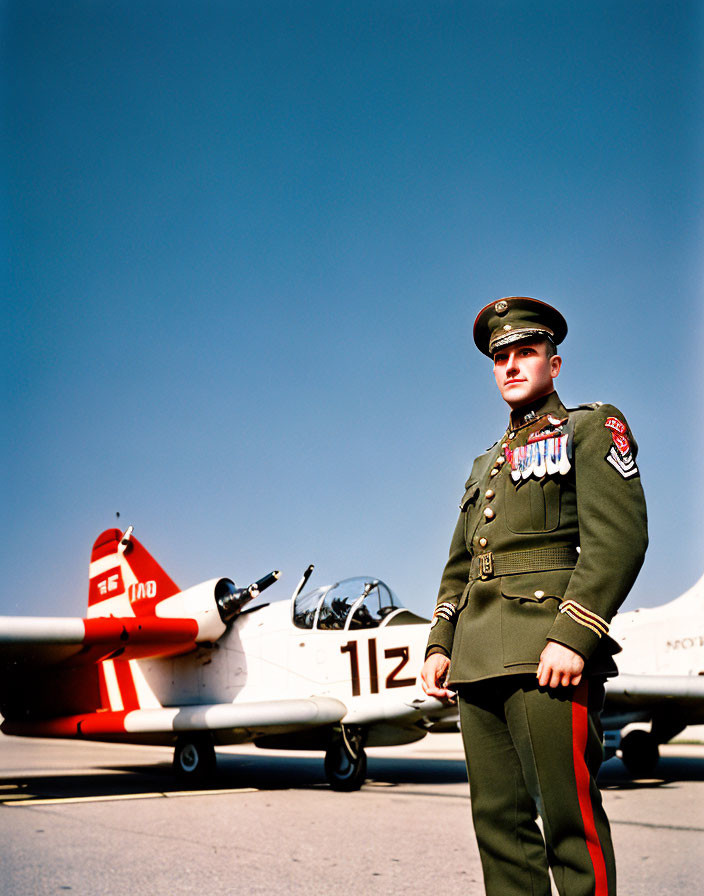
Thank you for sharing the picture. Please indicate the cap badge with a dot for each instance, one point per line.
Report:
(507, 327)
(501, 307)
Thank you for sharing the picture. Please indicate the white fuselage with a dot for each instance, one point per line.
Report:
(664, 640)
(264, 656)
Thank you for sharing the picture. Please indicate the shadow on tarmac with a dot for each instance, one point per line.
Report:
(265, 772)
(270, 772)
(669, 770)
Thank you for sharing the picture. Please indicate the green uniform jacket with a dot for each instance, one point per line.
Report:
(550, 555)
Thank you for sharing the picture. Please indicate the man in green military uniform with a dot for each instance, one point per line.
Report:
(551, 535)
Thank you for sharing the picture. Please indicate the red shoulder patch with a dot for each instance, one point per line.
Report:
(621, 442)
(616, 425)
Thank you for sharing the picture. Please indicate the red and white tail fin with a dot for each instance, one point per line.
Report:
(125, 580)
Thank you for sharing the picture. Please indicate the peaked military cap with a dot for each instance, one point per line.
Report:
(517, 317)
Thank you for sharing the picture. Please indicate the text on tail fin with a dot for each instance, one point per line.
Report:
(125, 579)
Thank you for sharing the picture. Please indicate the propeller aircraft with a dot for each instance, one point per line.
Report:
(334, 669)
(660, 688)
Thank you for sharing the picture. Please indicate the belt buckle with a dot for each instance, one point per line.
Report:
(486, 565)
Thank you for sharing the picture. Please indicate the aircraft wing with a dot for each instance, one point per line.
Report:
(677, 692)
(51, 666)
(251, 719)
(374, 710)
(630, 690)
(30, 642)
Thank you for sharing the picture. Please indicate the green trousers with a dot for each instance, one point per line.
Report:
(530, 751)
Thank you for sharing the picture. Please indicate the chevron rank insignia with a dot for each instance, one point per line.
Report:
(446, 611)
(620, 456)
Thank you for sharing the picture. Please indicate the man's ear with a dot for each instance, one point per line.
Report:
(555, 365)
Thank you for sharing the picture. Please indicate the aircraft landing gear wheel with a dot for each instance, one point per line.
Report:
(346, 764)
(639, 753)
(194, 758)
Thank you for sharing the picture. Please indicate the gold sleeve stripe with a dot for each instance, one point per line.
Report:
(583, 622)
(585, 617)
(444, 614)
(446, 611)
(590, 614)
(446, 606)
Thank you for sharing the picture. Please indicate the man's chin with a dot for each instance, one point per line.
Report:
(518, 398)
(516, 395)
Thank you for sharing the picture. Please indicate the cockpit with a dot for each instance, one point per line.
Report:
(351, 604)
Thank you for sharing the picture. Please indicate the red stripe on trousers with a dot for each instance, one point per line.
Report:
(580, 728)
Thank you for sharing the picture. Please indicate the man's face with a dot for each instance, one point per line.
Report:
(523, 372)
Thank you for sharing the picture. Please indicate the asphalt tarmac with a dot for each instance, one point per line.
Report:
(106, 819)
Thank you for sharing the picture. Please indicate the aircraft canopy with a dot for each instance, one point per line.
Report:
(361, 602)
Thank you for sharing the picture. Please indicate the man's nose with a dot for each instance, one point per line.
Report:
(512, 366)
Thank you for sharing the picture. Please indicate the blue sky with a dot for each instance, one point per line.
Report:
(247, 243)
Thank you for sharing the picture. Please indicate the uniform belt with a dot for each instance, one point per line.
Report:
(490, 565)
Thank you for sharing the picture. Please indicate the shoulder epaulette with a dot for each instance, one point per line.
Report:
(587, 406)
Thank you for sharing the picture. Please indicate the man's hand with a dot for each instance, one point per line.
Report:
(433, 676)
(559, 665)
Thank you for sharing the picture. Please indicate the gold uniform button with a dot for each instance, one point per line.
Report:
(483, 542)
(511, 435)
(500, 461)
(494, 472)
(489, 513)
(540, 594)
(489, 494)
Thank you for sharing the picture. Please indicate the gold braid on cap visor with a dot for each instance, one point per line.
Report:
(502, 339)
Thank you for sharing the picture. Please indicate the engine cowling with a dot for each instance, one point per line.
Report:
(231, 600)
(213, 604)
(199, 603)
